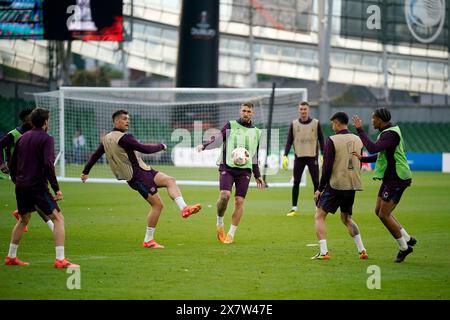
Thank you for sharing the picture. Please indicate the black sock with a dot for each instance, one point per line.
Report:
(295, 192)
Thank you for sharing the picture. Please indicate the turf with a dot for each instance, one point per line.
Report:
(270, 259)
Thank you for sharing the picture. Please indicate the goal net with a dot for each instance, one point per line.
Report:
(181, 118)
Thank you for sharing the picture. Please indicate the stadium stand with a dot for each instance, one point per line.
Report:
(426, 137)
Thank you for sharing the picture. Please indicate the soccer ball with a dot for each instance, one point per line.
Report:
(240, 156)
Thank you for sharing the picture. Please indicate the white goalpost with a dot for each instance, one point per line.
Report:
(179, 117)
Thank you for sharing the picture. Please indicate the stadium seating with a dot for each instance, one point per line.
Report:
(426, 137)
(9, 109)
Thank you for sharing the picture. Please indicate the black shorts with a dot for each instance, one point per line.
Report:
(394, 193)
(28, 198)
(240, 178)
(313, 166)
(144, 183)
(331, 200)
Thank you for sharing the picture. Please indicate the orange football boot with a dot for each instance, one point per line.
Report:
(190, 210)
(64, 263)
(319, 256)
(220, 234)
(228, 239)
(15, 262)
(363, 255)
(152, 244)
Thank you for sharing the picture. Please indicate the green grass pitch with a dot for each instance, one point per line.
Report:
(270, 259)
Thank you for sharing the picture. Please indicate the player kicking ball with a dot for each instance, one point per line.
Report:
(239, 158)
(121, 150)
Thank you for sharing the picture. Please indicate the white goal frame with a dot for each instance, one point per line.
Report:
(61, 175)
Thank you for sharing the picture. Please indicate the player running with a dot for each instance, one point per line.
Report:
(31, 179)
(393, 169)
(7, 144)
(341, 178)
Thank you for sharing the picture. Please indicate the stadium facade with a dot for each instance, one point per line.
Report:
(284, 43)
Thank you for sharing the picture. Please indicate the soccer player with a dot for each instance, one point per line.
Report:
(393, 169)
(235, 133)
(7, 144)
(31, 179)
(121, 150)
(303, 134)
(341, 178)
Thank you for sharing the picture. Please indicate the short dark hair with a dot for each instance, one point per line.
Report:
(38, 117)
(342, 117)
(24, 113)
(304, 103)
(248, 104)
(118, 113)
(383, 113)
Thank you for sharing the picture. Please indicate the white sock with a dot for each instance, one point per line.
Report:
(323, 246)
(359, 243)
(405, 234)
(149, 234)
(12, 250)
(59, 252)
(50, 224)
(219, 221)
(294, 209)
(232, 230)
(402, 243)
(180, 202)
